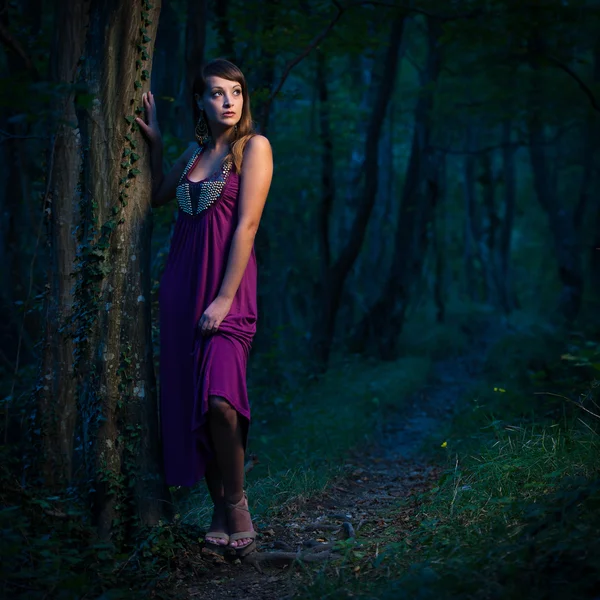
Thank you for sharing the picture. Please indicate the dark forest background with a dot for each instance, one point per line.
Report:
(436, 184)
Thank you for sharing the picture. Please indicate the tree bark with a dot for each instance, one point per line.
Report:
(379, 330)
(489, 250)
(590, 190)
(334, 276)
(57, 408)
(471, 224)
(506, 290)
(440, 250)
(117, 389)
(195, 42)
(561, 219)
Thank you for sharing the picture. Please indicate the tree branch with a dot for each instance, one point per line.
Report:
(5, 136)
(586, 90)
(311, 46)
(341, 10)
(13, 44)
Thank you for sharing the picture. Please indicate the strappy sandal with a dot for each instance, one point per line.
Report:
(219, 535)
(240, 535)
(218, 548)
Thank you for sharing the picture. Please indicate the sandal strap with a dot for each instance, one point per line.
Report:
(219, 535)
(239, 505)
(240, 535)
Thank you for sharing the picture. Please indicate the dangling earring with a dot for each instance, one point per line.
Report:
(201, 130)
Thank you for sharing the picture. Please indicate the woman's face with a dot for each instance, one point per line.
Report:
(222, 101)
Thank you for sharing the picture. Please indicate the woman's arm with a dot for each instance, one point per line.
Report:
(254, 188)
(163, 187)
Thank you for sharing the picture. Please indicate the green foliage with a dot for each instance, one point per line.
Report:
(515, 514)
(329, 418)
(50, 550)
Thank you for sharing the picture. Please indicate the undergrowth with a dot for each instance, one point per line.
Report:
(517, 511)
(300, 437)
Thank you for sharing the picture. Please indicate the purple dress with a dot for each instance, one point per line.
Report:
(192, 366)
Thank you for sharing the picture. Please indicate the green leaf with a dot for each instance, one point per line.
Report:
(130, 118)
(137, 84)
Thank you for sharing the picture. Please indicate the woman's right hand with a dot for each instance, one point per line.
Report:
(149, 127)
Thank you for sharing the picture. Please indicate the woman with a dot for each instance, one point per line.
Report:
(208, 296)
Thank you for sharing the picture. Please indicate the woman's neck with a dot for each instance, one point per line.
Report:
(220, 142)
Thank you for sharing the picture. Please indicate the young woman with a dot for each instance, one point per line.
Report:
(208, 296)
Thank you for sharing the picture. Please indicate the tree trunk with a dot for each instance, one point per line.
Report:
(225, 44)
(561, 220)
(113, 350)
(57, 409)
(440, 250)
(334, 276)
(471, 229)
(195, 42)
(590, 190)
(506, 291)
(380, 329)
(489, 250)
(14, 204)
(561, 217)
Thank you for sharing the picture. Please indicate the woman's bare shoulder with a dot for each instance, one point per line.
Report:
(258, 143)
(258, 148)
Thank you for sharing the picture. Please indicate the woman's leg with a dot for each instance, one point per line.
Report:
(226, 432)
(215, 489)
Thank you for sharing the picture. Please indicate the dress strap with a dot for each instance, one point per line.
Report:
(190, 164)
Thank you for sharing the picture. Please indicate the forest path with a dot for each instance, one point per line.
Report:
(364, 503)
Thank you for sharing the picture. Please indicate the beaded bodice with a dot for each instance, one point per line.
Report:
(194, 197)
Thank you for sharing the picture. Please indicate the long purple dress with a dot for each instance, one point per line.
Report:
(192, 366)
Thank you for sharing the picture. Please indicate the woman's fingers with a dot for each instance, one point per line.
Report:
(143, 126)
(207, 326)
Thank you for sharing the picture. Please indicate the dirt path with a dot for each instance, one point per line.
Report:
(362, 504)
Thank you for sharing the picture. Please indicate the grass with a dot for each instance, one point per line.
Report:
(517, 511)
(302, 437)
(301, 441)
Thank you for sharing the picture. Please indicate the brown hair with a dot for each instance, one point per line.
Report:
(220, 67)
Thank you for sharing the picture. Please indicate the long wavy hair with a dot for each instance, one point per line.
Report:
(219, 67)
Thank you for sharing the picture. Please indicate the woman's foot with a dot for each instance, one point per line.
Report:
(218, 532)
(242, 532)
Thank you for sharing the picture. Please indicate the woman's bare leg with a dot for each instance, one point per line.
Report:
(226, 432)
(215, 489)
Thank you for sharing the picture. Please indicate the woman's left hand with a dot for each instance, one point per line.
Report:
(213, 316)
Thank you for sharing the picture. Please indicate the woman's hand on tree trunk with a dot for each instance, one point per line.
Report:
(149, 126)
